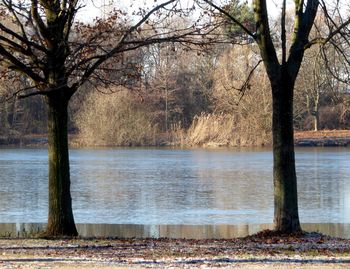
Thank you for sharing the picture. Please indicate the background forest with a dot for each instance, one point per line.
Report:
(184, 95)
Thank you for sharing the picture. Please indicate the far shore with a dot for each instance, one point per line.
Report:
(323, 138)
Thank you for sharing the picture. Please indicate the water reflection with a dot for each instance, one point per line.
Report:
(168, 231)
(175, 187)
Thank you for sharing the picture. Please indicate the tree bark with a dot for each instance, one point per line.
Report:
(286, 217)
(60, 217)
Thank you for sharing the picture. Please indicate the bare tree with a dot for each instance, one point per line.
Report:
(282, 66)
(57, 55)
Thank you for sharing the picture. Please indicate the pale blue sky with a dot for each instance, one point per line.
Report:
(93, 8)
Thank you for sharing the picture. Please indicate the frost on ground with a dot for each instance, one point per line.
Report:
(265, 250)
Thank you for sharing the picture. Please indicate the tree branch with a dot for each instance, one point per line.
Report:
(264, 39)
(247, 81)
(283, 33)
(120, 43)
(37, 18)
(325, 40)
(228, 15)
(21, 38)
(17, 64)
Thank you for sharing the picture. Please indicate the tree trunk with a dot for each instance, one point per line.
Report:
(316, 121)
(286, 218)
(60, 218)
(315, 112)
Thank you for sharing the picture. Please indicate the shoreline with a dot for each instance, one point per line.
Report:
(171, 231)
(323, 138)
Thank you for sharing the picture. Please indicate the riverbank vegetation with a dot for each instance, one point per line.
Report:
(183, 104)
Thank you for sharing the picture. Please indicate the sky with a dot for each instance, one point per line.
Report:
(98, 8)
(93, 8)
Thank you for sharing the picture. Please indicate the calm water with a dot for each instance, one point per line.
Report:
(175, 187)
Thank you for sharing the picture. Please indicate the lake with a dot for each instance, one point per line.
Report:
(174, 189)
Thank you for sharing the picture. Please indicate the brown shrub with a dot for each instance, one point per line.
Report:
(117, 119)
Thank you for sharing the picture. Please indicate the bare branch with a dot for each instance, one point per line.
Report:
(120, 43)
(21, 38)
(331, 35)
(18, 65)
(16, 93)
(246, 84)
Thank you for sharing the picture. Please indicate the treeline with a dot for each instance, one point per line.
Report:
(178, 95)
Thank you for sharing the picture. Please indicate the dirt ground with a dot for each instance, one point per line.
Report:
(310, 250)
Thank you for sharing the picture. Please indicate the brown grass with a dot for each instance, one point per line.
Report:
(215, 130)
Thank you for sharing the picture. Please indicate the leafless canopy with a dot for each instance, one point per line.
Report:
(37, 37)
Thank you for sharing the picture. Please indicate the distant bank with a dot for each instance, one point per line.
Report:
(27, 140)
(323, 138)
